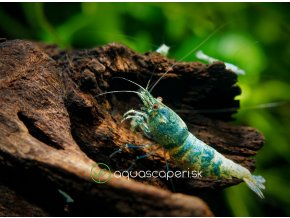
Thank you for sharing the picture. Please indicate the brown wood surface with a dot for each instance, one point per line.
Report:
(53, 129)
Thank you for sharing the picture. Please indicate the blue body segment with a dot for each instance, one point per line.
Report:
(171, 131)
(195, 154)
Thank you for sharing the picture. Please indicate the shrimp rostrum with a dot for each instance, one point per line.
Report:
(161, 124)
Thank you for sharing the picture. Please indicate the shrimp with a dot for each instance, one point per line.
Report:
(161, 124)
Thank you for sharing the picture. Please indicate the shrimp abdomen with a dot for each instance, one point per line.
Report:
(195, 154)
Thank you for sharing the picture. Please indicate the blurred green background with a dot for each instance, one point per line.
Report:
(254, 36)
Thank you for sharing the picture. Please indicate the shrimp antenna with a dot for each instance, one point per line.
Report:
(130, 82)
(121, 91)
(234, 109)
(189, 53)
(148, 83)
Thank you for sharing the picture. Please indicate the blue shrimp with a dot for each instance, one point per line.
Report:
(161, 124)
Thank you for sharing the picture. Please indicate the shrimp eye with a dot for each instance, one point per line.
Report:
(155, 106)
(160, 99)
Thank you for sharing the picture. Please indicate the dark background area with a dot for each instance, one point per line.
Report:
(253, 36)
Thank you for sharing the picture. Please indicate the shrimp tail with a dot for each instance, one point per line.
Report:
(256, 184)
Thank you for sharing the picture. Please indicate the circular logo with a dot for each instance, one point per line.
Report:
(100, 173)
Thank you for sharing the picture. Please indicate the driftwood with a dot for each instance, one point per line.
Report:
(53, 129)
